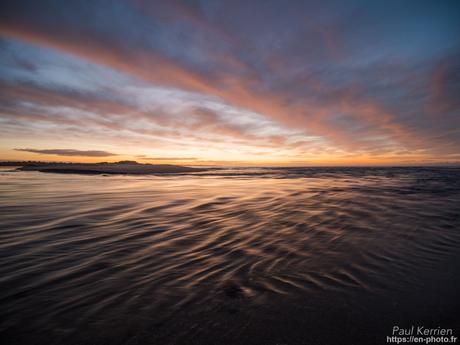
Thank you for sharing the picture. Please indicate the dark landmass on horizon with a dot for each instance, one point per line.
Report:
(34, 164)
(122, 167)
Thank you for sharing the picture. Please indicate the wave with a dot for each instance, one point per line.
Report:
(98, 247)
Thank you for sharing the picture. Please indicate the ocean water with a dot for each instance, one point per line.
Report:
(229, 256)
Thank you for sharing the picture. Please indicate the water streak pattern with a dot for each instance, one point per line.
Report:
(103, 249)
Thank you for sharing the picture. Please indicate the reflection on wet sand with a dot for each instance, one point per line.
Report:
(242, 256)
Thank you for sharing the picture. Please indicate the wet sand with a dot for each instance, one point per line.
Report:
(244, 256)
(109, 168)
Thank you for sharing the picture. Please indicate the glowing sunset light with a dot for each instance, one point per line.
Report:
(208, 83)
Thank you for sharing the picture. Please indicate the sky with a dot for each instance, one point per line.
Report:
(231, 82)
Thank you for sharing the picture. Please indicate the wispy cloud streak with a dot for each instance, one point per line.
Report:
(301, 80)
(70, 152)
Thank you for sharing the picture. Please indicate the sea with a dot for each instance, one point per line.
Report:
(272, 256)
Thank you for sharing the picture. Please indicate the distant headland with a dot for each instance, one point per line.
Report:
(121, 167)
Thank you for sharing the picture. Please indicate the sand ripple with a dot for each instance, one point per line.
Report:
(96, 248)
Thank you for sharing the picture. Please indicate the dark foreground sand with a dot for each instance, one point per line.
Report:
(109, 168)
(313, 256)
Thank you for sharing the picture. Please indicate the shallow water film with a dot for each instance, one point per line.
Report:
(229, 256)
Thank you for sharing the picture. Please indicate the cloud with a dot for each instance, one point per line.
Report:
(370, 91)
(70, 152)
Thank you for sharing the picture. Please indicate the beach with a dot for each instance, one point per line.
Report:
(130, 167)
(229, 256)
(199, 172)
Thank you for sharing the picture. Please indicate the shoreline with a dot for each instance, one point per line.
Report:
(109, 168)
